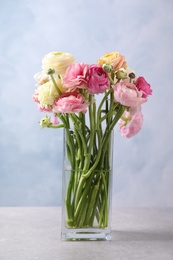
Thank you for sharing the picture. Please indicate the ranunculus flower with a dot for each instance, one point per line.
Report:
(48, 109)
(41, 77)
(132, 125)
(134, 110)
(75, 76)
(41, 109)
(71, 102)
(58, 61)
(47, 94)
(115, 59)
(59, 84)
(98, 80)
(143, 86)
(128, 95)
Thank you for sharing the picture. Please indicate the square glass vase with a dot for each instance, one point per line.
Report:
(87, 187)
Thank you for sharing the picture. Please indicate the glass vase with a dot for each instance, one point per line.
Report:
(87, 184)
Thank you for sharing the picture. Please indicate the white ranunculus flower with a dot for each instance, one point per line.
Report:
(41, 78)
(58, 61)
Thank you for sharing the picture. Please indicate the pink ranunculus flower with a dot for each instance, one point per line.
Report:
(143, 86)
(134, 110)
(128, 95)
(132, 125)
(71, 102)
(75, 76)
(98, 80)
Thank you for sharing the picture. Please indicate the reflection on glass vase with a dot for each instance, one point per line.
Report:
(87, 184)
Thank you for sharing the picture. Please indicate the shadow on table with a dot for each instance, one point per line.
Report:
(119, 235)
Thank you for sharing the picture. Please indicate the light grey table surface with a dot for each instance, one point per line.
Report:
(34, 233)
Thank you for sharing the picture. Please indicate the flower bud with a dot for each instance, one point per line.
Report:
(120, 74)
(107, 67)
(45, 122)
(132, 75)
(50, 71)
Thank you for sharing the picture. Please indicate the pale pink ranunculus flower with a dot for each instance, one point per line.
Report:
(75, 76)
(71, 102)
(143, 86)
(132, 125)
(134, 110)
(98, 80)
(128, 95)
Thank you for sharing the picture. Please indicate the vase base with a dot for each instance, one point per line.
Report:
(91, 236)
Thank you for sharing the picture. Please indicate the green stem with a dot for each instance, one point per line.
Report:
(100, 107)
(103, 144)
(105, 139)
(55, 85)
(88, 151)
(105, 203)
(81, 136)
(56, 126)
(71, 156)
(92, 199)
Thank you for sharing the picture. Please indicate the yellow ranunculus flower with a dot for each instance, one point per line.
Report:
(47, 94)
(58, 61)
(115, 59)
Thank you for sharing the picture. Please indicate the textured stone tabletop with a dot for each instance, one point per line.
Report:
(34, 233)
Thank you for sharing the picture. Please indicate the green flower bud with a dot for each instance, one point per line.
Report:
(107, 67)
(121, 74)
(50, 71)
(45, 122)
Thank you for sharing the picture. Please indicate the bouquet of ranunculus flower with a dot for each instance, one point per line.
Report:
(68, 91)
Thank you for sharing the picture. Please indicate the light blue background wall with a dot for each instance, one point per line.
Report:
(30, 158)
